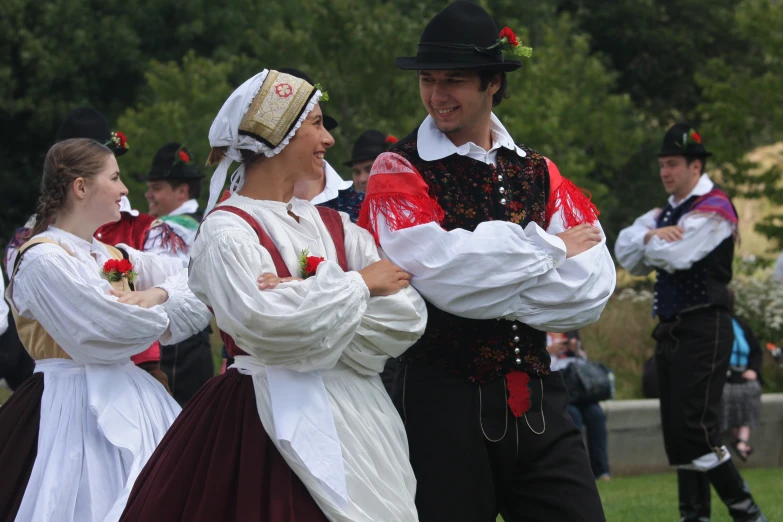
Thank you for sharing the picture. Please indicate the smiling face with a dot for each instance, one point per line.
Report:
(102, 193)
(455, 101)
(304, 155)
(163, 198)
(678, 176)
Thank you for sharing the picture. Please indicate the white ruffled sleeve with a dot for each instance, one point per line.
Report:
(76, 308)
(703, 233)
(391, 324)
(300, 325)
(572, 295)
(630, 248)
(479, 274)
(187, 314)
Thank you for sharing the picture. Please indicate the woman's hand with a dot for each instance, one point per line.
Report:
(750, 375)
(384, 278)
(269, 281)
(144, 298)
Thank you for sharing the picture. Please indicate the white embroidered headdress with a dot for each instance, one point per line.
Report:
(261, 115)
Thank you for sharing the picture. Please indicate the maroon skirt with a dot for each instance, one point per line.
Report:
(217, 463)
(20, 418)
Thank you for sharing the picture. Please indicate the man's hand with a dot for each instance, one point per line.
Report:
(668, 234)
(144, 298)
(580, 239)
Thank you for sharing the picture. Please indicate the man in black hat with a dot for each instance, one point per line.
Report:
(369, 145)
(173, 186)
(690, 244)
(503, 248)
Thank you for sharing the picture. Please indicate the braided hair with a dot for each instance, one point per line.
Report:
(65, 162)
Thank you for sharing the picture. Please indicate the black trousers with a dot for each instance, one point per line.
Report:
(692, 356)
(473, 459)
(188, 365)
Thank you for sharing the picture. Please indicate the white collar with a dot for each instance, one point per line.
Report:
(73, 243)
(125, 206)
(188, 207)
(703, 186)
(434, 145)
(334, 183)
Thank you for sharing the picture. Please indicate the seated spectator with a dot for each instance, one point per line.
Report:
(564, 350)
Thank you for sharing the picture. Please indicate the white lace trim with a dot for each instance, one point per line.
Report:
(218, 180)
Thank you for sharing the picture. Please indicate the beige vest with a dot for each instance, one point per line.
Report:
(38, 343)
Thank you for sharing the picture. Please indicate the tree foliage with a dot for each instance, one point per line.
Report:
(604, 82)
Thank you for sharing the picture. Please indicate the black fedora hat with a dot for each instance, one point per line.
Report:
(462, 36)
(86, 122)
(683, 140)
(329, 122)
(173, 162)
(369, 145)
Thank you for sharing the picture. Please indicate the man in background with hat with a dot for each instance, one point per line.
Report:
(369, 145)
(503, 249)
(690, 244)
(173, 186)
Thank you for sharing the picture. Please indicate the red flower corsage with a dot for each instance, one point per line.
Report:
(391, 139)
(309, 264)
(116, 269)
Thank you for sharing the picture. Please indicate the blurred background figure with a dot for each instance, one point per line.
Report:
(741, 399)
(566, 349)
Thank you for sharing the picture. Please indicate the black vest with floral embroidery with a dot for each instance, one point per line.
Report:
(471, 192)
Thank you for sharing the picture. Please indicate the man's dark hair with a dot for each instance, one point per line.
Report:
(194, 187)
(691, 159)
(485, 77)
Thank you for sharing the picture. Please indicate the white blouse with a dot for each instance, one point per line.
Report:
(324, 333)
(66, 292)
(101, 416)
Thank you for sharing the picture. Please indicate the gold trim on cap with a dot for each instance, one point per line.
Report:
(277, 107)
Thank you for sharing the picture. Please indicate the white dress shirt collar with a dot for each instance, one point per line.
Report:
(188, 207)
(703, 186)
(334, 183)
(434, 145)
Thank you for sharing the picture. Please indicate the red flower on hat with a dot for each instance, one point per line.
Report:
(391, 139)
(122, 139)
(509, 34)
(183, 156)
(695, 136)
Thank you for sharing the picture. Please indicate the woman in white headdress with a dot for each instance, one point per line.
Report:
(300, 428)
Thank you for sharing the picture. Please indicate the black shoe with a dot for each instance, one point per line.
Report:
(735, 493)
(694, 491)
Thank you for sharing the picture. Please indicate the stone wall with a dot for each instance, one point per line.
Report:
(636, 443)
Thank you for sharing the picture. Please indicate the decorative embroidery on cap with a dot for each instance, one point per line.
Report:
(276, 108)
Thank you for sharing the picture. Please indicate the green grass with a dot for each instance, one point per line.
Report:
(653, 498)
